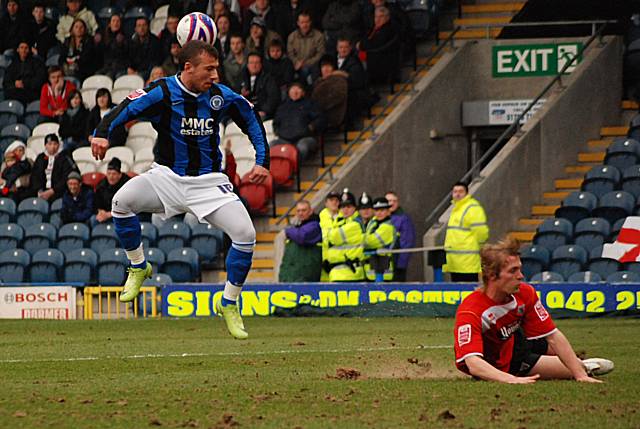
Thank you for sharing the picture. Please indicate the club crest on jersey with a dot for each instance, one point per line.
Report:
(520, 310)
(541, 311)
(216, 102)
(136, 94)
(464, 335)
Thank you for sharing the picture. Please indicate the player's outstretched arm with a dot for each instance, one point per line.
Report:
(482, 369)
(561, 346)
(99, 147)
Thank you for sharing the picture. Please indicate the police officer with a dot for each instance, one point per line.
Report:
(345, 243)
(327, 216)
(380, 234)
(365, 208)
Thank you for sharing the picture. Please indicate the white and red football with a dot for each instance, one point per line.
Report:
(196, 26)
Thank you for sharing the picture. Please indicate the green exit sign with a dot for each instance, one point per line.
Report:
(534, 60)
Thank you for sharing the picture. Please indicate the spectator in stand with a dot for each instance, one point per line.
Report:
(220, 8)
(381, 48)
(259, 87)
(75, 11)
(287, 12)
(114, 47)
(106, 189)
(183, 7)
(156, 73)
(327, 215)
(223, 42)
(235, 63)
(14, 166)
(77, 201)
(144, 50)
(279, 67)
(343, 18)
(16, 26)
(407, 231)
(168, 34)
(50, 171)
(79, 57)
(24, 76)
(260, 36)
(171, 65)
(260, 9)
(359, 95)
(73, 123)
(297, 121)
(45, 32)
(330, 92)
(399, 19)
(305, 47)
(302, 259)
(365, 208)
(54, 95)
(318, 9)
(103, 105)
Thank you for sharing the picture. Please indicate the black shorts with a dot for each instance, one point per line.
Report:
(526, 353)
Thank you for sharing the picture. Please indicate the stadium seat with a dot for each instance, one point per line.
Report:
(123, 153)
(112, 267)
(256, 195)
(207, 240)
(103, 237)
(631, 266)
(601, 179)
(568, 259)
(157, 24)
(55, 220)
(162, 11)
(52, 60)
(173, 235)
(631, 180)
(143, 129)
(182, 265)
(73, 236)
(149, 234)
(591, 232)
(577, 206)
(535, 259)
(7, 210)
(13, 265)
(129, 82)
(156, 257)
(11, 112)
(553, 233)
(585, 277)
(35, 144)
(547, 277)
(623, 277)
(615, 229)
(45, 128)
(32, 114)
(159, 279)
(39, 236)
(55, 207)
(622, 153)
(140, 167)
(13, 132)
(284, 165)
(80, 266)
(119, 94)
(603, 266)
(141, 145)
(104, 15)
(89, 97)
(46, 266)
(92, 179)
(98, 81)
(11, 236)
(32, 211)
(614, 206)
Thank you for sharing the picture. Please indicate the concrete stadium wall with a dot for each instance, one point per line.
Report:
(527, 166)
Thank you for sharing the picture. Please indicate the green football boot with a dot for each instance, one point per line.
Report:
(233, 320)
(134, 281)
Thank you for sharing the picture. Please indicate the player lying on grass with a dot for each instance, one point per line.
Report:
(503, 332)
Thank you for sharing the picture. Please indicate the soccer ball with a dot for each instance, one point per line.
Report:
(196, 26)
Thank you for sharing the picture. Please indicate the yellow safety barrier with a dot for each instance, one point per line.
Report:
(109, 305)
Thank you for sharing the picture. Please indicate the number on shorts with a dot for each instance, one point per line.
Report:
(226, 188)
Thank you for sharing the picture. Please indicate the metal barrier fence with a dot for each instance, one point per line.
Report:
(107, 304)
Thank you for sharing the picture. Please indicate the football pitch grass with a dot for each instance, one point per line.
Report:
(294, 372)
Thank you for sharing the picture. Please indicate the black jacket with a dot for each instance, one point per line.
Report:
(297, 119)
(62, 166)
(105, 192)
(144, 55)
(118, 136)
(282, 70)
(80, 62)
(74, 126)
(31, 72)
(265, 94)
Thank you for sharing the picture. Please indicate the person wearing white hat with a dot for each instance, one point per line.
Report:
(15, 166)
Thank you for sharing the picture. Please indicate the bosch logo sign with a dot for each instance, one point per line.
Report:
(11, 298)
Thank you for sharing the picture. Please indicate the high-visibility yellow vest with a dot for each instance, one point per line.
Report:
(467, 231)
(379, 235)
(326, 221)
(345, 250)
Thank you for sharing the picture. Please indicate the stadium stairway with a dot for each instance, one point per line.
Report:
(593, 155)
(485, 13)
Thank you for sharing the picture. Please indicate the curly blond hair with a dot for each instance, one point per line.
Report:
(493, 256)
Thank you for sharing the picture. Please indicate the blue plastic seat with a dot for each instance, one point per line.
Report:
(73, 236)
(55, 220)
(155, 257)
(32, 211)
(7, 210)
(568, 259)
(182, 265)
(553, 233)
(624, 277)
(11, 236)
(614, 206)
(12, 132)
(547, 277)
(149, 234)
(631, 266)
(622, 153)
(39, 236)
(80, 266)
(577, 206)
(207, 240)
(592, 232)
(46, 266)
(603, 266)
(535, 259)
(585, 277)
(631, 180)
(159, 279)
(103, 237)
(56, 206)
(104, 15)
(13, 265)
(173, 235)
(601, 180)
(32, 114)
(112, 267)
(615, 229)
(11, 112)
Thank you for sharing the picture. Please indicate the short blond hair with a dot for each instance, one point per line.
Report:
(493, 257)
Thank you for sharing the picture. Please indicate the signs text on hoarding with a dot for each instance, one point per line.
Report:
(504, 112)
(38, 302)
(534, 60)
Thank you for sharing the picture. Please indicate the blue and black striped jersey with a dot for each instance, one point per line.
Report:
(188, 124)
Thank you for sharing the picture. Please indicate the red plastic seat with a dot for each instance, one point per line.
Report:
(92, 179)
(284, 165)
(257, 195)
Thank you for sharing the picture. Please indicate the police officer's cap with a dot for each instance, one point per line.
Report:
(333, 195)
(347, 199)
(365, 201)
(381, 203)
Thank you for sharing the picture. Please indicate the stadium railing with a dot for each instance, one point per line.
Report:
(108, 306)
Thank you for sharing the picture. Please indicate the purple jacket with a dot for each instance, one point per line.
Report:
(308, 233)
(407, 232)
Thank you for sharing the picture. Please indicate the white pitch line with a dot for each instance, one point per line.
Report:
(221, 354)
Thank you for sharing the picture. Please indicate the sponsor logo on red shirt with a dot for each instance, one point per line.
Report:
(464, 334)
(541, 311)
(136, 94)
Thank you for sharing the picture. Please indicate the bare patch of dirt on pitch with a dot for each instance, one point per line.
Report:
(412, 369)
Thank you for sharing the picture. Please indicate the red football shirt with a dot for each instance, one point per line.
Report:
(485, 328)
